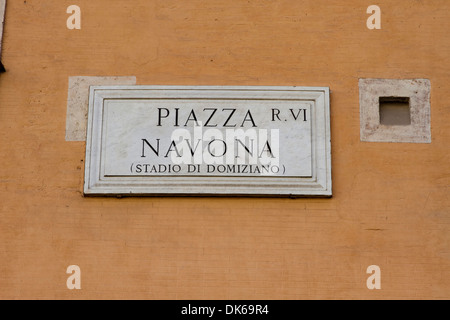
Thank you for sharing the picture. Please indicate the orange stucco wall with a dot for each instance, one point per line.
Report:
(391, 201)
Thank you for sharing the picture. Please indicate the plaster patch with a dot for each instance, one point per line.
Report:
(78, 102)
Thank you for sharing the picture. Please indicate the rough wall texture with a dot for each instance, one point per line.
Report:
(391, 203)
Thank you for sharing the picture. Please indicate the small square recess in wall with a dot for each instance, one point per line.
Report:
(394, 110)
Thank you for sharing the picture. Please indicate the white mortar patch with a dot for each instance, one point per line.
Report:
(78, 102)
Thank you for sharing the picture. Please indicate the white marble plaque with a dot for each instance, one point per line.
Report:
(173, 140)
